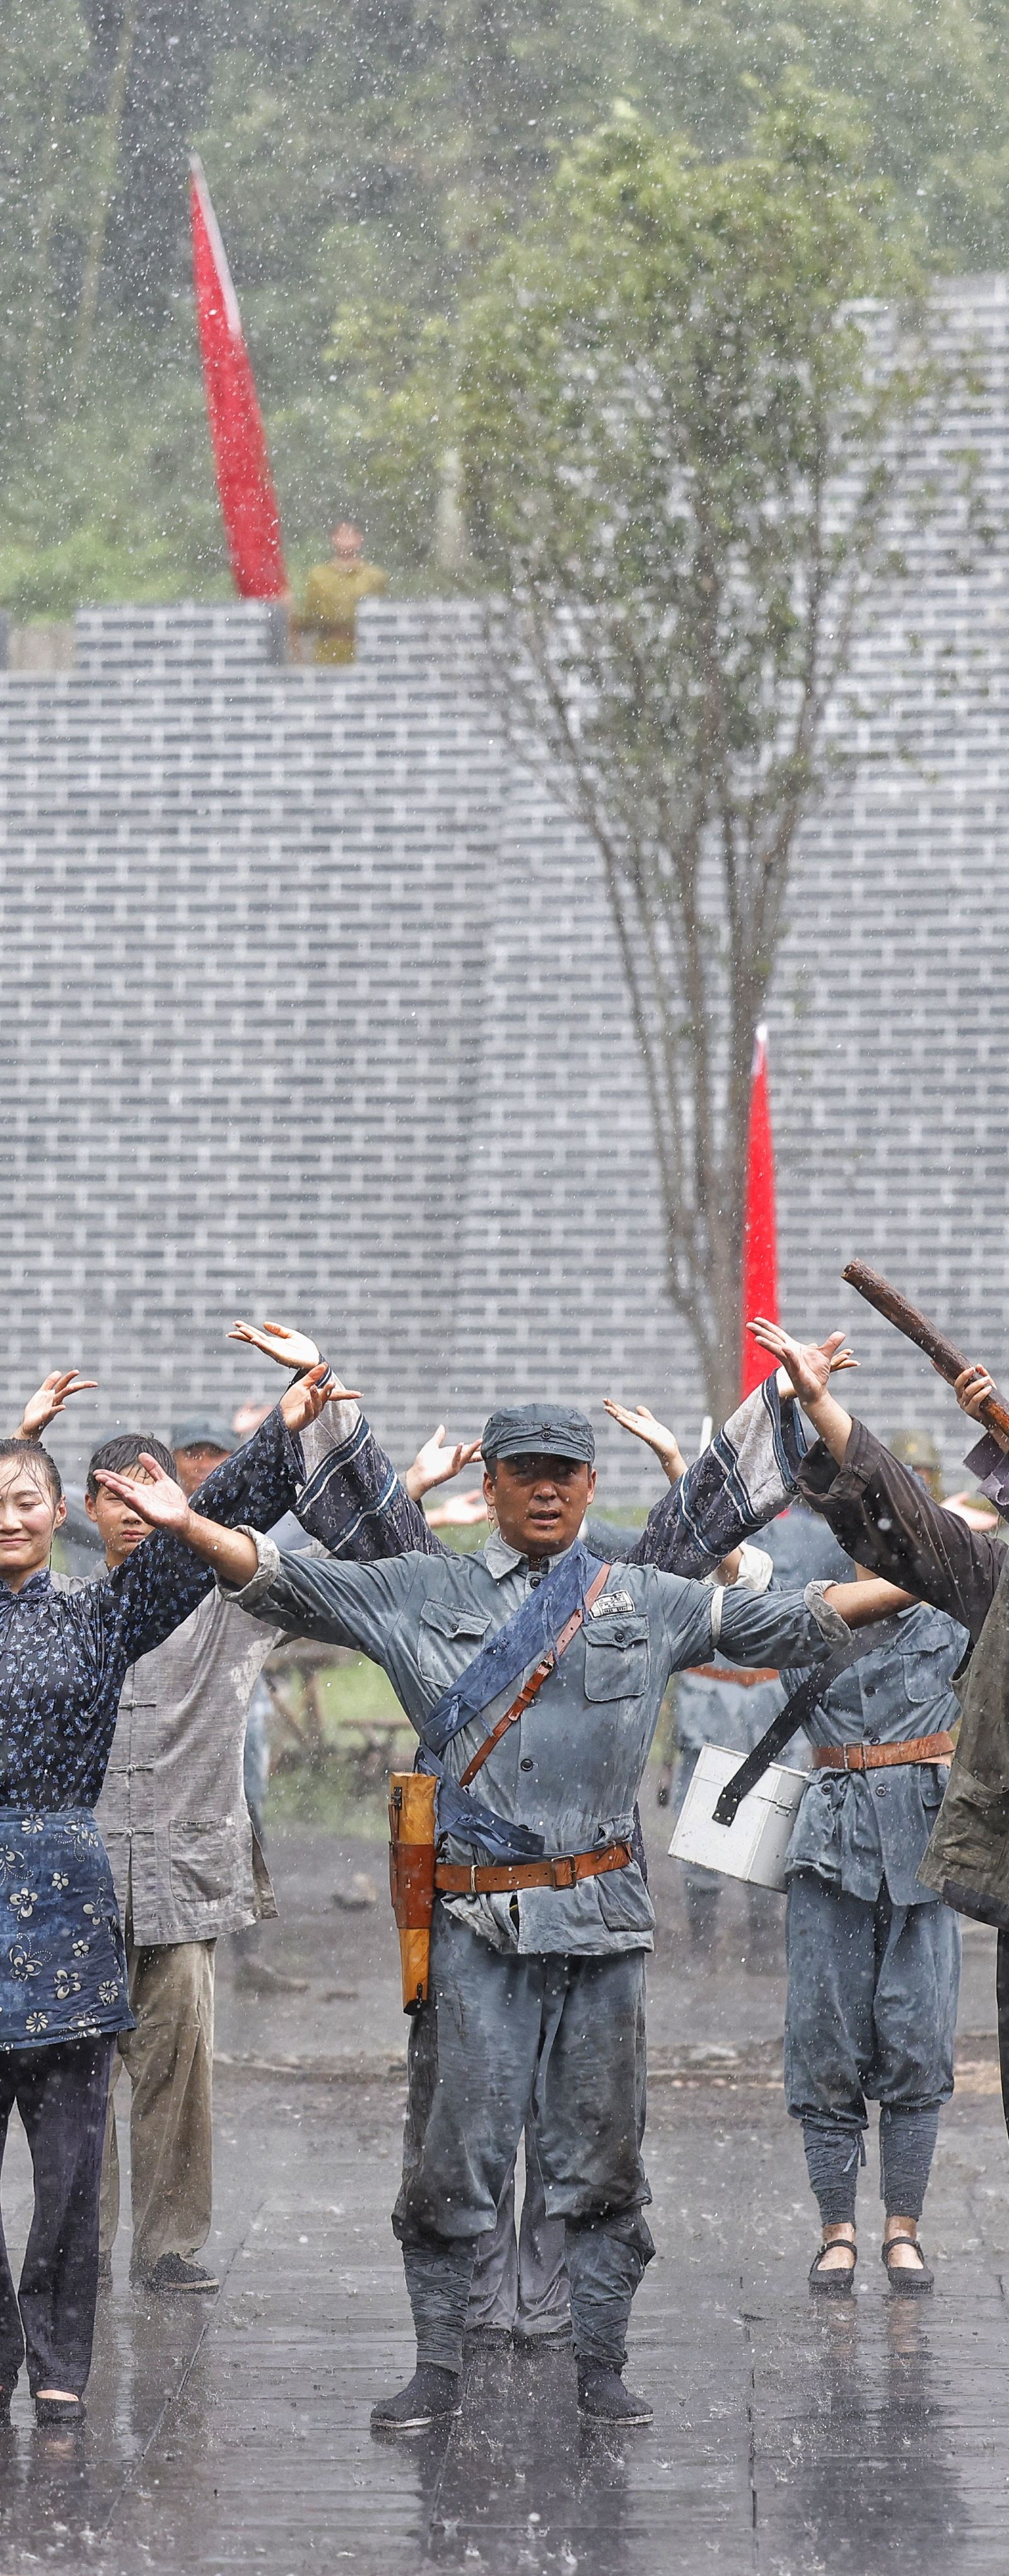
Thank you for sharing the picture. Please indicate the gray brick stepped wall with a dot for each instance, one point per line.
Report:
(311, 1006)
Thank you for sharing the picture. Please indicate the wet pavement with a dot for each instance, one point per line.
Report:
(232, 2433)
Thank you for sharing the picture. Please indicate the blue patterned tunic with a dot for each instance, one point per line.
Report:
(63, 1656)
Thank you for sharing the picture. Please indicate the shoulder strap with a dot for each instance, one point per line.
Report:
(536, 1679)
(787, 1723)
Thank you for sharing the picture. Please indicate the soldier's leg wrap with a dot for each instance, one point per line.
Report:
(906, 2148)
(472, 2060)
(589, 2109)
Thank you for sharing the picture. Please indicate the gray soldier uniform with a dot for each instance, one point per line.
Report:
(541, 1993)
(802, 1550)
(873, 1959)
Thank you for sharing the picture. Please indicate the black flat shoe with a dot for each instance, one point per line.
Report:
(60, 2410)
(906, 2283)
(430, 2397)
(833, 2284)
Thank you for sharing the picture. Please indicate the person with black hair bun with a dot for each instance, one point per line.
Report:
(63, 1986)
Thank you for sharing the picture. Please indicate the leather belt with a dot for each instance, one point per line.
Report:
(879, 1757)
(734, 1673)
(507, 1878)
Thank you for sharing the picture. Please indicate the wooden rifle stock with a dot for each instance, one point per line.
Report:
(917, 1328)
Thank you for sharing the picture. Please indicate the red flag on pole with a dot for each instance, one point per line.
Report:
(241, 463)
(760, 1229)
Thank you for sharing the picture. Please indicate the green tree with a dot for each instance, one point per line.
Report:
(681, 438)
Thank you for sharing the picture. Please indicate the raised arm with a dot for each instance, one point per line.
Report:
(744, 1477)
(344, 1605)
(351, 1498)
(880, 1510)
(163, 1580)
(50, 1399)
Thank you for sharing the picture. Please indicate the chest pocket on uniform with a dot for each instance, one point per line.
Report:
(617, 1657)
(927, 1674)
(448, 1640)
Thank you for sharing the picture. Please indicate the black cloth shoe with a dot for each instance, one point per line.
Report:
(175, 2272)
(602, 2395)
(487, 2339)
(430, 2397)
(60, 2410)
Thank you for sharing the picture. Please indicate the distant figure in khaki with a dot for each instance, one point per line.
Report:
(332, 594)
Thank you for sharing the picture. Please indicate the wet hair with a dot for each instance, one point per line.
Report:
(122, 1453)
(32, 1454)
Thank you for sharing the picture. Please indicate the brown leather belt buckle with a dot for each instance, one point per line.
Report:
(854, 1757)
(563, 1873)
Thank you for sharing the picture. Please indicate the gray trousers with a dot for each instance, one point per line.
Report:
(872, 1997)
(169, 2059)
(520, 2277)
(499, 2032)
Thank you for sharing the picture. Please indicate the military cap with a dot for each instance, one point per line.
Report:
(203, 1433)
(539, 1430)
(916, 1449)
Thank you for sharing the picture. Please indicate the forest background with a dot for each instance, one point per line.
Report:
(366, 157)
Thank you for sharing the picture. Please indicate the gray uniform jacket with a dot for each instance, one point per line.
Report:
(173, 1813)
(861, 1829)
(571, 1769)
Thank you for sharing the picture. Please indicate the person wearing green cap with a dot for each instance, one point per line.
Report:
(534, 1675)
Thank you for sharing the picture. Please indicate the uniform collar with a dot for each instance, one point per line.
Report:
(500, 1559)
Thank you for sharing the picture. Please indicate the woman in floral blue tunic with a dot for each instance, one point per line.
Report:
(63, 1994)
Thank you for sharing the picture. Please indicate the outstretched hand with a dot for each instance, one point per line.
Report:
(304, 1400)
(290, 1350)
(161, 1503)
(436, 1465)
(49, 1400)
(645, 1427)
(809, 1365)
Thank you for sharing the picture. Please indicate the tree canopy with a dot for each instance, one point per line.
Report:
(683, 429)
(365, 157)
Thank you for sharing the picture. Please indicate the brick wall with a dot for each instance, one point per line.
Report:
(311, 1007)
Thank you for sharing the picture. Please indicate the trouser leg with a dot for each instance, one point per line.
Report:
(12, 2342)
(493, 2298)
(62, 2095)
(169, 2060)
(472, 2060)
(544, 2298)
(519, 2278)
(108, 2221)
(589, 2111)
(829, 2036)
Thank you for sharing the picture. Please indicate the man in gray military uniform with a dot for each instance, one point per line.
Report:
(542, 1920)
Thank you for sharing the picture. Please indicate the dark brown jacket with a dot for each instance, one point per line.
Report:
(887, 1520)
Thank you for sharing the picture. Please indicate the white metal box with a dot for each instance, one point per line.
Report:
(754, 1845)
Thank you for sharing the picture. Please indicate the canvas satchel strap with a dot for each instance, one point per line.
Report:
(529, 1689)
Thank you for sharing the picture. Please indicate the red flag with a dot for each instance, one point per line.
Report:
(760, 1230)
(244, 481)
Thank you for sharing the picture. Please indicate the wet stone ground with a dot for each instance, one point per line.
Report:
(232, 2433)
